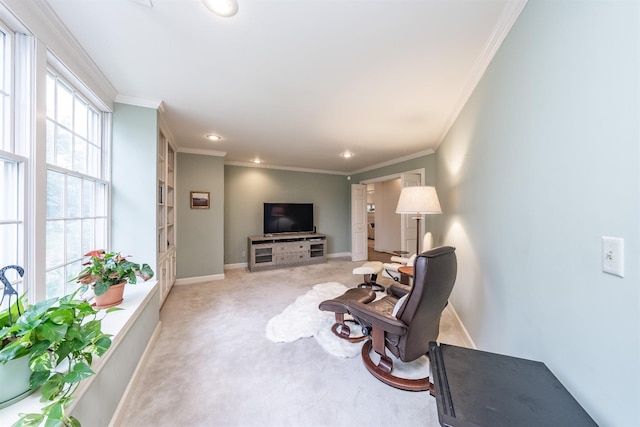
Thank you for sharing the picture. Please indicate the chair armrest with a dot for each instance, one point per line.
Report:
(400, 259)
(398, 290)
(375, 318)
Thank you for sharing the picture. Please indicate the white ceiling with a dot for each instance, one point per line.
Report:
(297, 82)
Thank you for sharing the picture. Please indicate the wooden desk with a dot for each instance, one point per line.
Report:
(480, 389)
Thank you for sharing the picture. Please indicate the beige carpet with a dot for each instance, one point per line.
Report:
(212, 364)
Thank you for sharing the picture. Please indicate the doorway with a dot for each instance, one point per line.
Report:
(387, 231)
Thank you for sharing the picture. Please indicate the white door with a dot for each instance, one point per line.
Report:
(408, 223)
(359, 250)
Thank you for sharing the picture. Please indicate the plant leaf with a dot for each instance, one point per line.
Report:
(52, 387)
(91, 330)
(100, 287)
(51, 331)
(33, 315)
(146, 272)
(40, 347)
(38, 378)
(44, 362)
(79, 372)
(14, 350)
(29, 420)
(62, 316)
(102, 344)
(55, 415)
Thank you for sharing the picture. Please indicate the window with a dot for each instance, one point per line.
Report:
(77, 189)
(12, 165)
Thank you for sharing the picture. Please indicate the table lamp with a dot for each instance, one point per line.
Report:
(418, 201)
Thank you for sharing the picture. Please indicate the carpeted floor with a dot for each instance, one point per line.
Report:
(212, 364)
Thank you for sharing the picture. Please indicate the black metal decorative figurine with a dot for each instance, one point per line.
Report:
(9, 290)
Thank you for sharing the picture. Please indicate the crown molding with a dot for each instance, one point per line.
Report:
(157, 104)
(41, 20)
(202, 152)
(394, 161)
(285, 168)
(510, 14)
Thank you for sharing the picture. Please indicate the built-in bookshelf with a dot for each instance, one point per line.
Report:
(166, 215)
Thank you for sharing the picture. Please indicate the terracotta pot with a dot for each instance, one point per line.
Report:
(14, 377)
(111, 298)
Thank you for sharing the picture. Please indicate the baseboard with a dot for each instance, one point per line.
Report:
(115, 419)
(469, 342)
(201, 279)
(236, 266)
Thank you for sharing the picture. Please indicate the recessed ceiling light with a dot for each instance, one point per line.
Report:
(224, 8)
(257, 161)
(347, 155)
(213, 137)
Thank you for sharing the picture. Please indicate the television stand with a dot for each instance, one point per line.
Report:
(269, 251)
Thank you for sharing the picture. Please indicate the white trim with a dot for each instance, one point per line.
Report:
(201, 151)
(135, 377)
(236, 266)
(421, 171)
(286, 168)
(201, 279)
(140, 102)
(330, 172)
(394, 161)
(164, 127)
(42, 21)
(509, 16)
(469, 342)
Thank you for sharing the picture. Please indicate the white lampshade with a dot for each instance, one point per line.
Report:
(418, 200)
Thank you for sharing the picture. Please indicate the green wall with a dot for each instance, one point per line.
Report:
(134, 182)
(200, 232)
(247, 188)
(541, 163)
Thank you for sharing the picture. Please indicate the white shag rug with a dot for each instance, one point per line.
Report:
(304, 319)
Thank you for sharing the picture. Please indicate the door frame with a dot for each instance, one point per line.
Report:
(421, 172)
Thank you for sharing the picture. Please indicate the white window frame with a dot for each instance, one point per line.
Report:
(71, 265)
(18, 60)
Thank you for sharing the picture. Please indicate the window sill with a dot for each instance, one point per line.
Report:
(117, 323)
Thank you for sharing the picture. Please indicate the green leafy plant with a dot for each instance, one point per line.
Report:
(61, 337)
(105, 269)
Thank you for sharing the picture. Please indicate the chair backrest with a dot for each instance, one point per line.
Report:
(434, 275)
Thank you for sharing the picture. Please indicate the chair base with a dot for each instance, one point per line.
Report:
(344, 331)
(382, 371)
(373, 286)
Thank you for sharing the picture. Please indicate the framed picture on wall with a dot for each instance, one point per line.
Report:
(200, 200)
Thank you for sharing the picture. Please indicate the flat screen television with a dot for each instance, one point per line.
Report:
(288, 217)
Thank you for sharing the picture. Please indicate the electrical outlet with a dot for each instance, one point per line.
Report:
(244, 254)
(613, 255)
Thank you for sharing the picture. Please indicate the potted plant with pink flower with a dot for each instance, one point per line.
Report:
(108, 273)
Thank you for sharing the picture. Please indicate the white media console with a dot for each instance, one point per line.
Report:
(286, 250)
